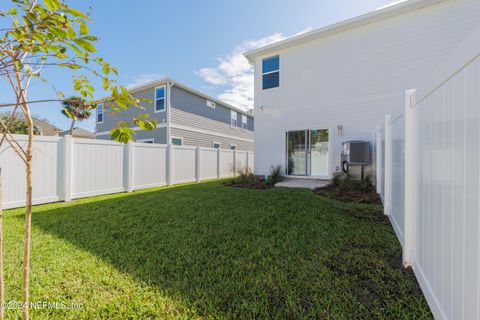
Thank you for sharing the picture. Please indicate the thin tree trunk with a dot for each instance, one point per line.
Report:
(28, 217)
(71, 127)
(2, 285)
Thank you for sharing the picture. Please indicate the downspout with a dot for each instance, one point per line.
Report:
(169, 104)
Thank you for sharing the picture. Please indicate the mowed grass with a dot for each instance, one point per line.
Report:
(207, 251)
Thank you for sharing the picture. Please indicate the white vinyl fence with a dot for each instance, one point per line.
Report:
(69, 168)
(432, 188)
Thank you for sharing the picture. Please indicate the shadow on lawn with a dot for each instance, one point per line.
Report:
(226, 252)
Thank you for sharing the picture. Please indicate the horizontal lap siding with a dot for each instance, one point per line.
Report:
(193, 138)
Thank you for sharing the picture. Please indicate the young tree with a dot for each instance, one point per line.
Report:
(17, 126)
(51, 34)
(75, 109)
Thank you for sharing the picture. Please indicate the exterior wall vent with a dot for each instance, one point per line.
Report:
(210, 104)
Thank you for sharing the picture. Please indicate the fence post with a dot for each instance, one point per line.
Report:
(130, 166)
(410, 179)
(219, 163)
(67, 168)
(197, 164)
(378, 160)
(169, 164)
(388, 165)
(234, 162)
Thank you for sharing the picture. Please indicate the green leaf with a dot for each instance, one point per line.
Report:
(87, 46)
(12, 11)
(49, 5)
(83, 28)
(77, 13)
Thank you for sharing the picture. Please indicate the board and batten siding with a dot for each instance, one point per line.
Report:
(353, 78)
(111, 119)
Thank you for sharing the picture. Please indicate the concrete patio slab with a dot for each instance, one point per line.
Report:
(302, 183)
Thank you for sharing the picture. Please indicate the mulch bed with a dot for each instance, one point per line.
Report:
(340, 194)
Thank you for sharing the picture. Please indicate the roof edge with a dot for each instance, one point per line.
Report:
(165, 80)
(349, 24)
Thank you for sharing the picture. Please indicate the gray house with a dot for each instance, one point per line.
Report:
(185, 116)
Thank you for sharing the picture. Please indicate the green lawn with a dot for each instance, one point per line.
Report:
(212, 252)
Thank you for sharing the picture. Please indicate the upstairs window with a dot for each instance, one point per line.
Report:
(244, 122)
(100, 113)
(271, 72)
(233, 119)
(160, 99)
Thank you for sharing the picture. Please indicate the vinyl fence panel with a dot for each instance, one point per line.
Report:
(149, 165)
(398, 176)
(184, 164)
(448, 257)
(208, 163)
(241, 160)
(68, 168)
(251, 161)
(46, 172)
(435, 190)
(226, 163)
(97, 167)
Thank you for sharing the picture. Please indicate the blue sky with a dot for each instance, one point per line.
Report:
(198, 43)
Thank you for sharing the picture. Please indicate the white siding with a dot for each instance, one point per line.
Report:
(354, 78)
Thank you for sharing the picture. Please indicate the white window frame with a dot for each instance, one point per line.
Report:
(151, 140)
(102, 113)
(171, 142)
(232, 117)
(164, 99)
(211, 104)
(233, 145)
(244, 122)
(219, 145)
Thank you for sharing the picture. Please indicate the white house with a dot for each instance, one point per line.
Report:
(319, 89)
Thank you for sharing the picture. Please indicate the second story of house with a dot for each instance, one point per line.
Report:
(184, 116)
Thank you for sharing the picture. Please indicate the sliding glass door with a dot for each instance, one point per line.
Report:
(307, 152)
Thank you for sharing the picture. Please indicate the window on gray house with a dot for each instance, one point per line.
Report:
(177, 141)
(100, 113)
(160, 99)
(271, 72)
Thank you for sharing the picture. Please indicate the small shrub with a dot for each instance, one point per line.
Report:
(344, 187)
(275, 174)
(337, 179)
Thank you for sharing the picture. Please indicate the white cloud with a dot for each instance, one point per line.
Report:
(235, 75)
(133, 81)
